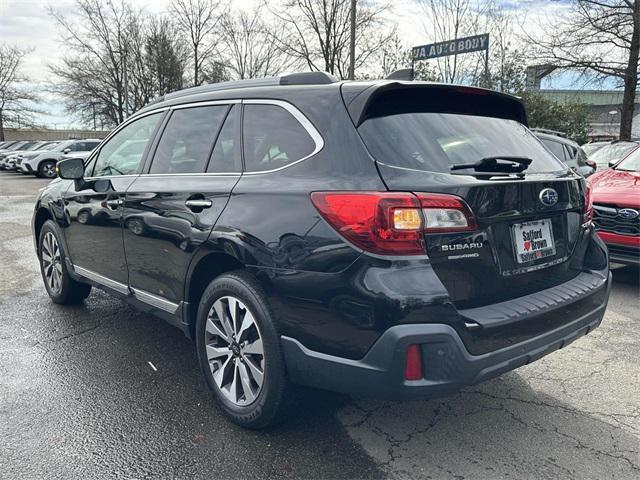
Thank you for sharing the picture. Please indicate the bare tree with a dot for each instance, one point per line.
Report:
(449, 20)
(199, 21)
(117, 59)
(317, 32)
(98, 41)
(14, 94)
(507, 53)
(599, 36)
(395, 55)
(250, 45)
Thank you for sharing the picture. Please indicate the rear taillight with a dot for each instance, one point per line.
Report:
(413, 363)
(446, 213)
(587, 209)
(390, 223)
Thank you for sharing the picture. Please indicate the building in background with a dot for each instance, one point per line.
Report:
(604, 110)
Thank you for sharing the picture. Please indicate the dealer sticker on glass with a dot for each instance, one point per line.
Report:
(533, 240)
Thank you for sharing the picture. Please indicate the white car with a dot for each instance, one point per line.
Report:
(8, 160)
(43, 164)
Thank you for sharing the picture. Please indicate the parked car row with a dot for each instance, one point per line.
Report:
(613, 169)
(40, 157)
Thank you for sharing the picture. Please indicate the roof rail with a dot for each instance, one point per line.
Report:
(550, 132)
(213, 87)
(308, 78)
(302, 78)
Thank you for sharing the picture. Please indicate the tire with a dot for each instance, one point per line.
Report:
(256, 405)
(62, 289)
(47, 169)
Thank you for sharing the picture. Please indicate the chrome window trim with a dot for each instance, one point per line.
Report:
(203, 174)
(205, 104)
(302, 120)
(155, 301)
(297, 114)
(101, 279)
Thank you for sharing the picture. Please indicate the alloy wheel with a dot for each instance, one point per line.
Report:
(49, 170)
(234, 350)
(51, 262)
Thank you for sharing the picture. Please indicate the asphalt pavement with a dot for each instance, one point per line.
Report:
(100, 390)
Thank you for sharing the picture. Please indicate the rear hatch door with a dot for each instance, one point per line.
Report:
(528, 229)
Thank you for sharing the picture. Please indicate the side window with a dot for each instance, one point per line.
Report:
(88, 146)
(556, 148)
(570, 152)
(122, 154)
(187, 140)
(226, 153)
(273, 138)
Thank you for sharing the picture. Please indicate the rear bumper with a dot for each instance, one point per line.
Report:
(447, 364)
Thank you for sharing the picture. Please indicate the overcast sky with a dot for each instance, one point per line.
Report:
(26, 23)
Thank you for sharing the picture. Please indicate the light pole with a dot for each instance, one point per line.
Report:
(352, 42)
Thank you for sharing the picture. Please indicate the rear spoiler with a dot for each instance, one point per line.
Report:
(393, 97)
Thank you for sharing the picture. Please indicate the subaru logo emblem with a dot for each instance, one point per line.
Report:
(628, 213)
(548, 197)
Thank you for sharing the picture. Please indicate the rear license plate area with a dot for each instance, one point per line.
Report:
(533, 241)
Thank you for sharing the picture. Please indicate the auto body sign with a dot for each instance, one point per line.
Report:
(452, 47)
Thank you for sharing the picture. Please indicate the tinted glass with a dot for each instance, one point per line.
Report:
(435, 141)
(273, 138)
(122, 154)
(569, 152)
(76, 147)
(226, 153)
(612, 153)
(187, 140)
(555, 147)
(88, 146)
(581, 158)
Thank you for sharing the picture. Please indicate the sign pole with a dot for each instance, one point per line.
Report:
(486, 68)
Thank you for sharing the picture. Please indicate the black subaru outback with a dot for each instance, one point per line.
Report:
(391, 239)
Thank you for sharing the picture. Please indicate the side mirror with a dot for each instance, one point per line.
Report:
(66, 150)
(70, 169)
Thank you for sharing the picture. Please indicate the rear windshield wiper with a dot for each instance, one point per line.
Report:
(498, 164)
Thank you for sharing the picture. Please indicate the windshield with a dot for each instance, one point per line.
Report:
(591, 148)
(435, 141)
(631, 163)
(612, 153)
(61, 146)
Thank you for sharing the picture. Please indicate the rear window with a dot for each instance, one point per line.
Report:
(435, 141)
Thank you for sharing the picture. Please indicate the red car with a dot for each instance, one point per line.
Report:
(616, 203)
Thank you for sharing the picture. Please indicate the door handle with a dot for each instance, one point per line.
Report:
(113, 204)
(198, 204)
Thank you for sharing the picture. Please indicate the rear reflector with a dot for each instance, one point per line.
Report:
(413, 363)
(392, 223)
(587, 209)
